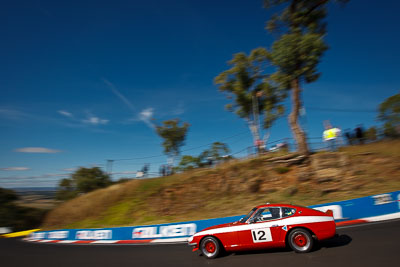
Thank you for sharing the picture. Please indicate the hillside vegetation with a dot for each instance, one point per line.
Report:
(16, 217)
(235, 187)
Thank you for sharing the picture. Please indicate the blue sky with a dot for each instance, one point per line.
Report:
(80, 80)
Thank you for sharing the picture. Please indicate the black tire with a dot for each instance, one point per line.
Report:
(300, 240)
(210, 247)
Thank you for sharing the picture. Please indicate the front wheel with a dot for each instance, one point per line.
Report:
(300, 240)
(210, 247)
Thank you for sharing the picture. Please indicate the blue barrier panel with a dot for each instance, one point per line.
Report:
(347, 210)
(364, 207)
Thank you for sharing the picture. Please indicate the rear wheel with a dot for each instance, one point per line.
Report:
(300, 240)
(210, 247)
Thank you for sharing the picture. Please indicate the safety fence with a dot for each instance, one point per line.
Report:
(360, 210)
(285, 144)
(150, 162)
(315, 144)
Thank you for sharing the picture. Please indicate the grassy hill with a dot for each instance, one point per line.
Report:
(235, 187)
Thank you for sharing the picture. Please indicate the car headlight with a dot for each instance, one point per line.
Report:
(190, 239)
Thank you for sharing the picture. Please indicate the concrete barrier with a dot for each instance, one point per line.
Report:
(360, 210)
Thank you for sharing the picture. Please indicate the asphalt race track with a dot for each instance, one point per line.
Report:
(375, 244)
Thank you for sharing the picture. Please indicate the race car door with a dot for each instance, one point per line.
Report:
(263, 229)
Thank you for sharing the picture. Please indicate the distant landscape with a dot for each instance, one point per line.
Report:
(36, 197)
(22, 190)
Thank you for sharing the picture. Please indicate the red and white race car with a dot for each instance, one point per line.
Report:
(267, 226)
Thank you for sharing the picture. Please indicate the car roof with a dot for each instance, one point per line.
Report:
(279, 205)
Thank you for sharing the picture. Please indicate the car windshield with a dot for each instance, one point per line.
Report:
(242, 220)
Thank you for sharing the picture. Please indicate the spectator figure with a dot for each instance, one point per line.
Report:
(359, 134)
(329, 136)
(349, 137)
(168, 170)
(162, 170)
(210, 161)
(338, 136)
(145, 170)
(259, 146)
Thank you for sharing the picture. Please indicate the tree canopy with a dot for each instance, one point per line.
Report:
(389, 110)
(189, 162)
(89, 179)
(216, 152)
(247, 82)
(389, 114)
(174, 136)
(83, 180)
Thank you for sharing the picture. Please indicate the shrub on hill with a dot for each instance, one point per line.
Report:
(83, 180)
(15, 217)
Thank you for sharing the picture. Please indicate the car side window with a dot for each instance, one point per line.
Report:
(286, 212)
(265, 214)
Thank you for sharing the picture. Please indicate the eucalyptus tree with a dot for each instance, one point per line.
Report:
(253, 96)
(389, 114)
(300, 26)
(174, 136)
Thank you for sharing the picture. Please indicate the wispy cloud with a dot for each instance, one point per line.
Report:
(13, 114)
(15, 169)
(29, 117)
(93, 120)
(146, 116)
(82, 122)
(24, 116)
(119, 95)
(65, 113)
(37, 150)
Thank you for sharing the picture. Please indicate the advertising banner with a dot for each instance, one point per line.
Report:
(371, 208)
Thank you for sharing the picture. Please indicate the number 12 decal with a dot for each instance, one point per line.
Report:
(261, 235)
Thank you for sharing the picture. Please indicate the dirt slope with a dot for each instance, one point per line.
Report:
(235, 187)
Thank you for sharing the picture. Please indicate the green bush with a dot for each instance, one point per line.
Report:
(83, 180)
(282, 169)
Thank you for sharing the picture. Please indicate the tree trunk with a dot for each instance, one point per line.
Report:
(254, 132)
(298, 133)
